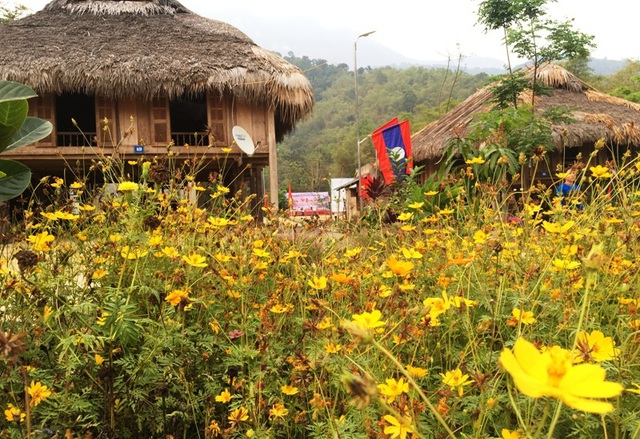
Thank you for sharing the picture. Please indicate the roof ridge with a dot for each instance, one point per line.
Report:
(118, 7)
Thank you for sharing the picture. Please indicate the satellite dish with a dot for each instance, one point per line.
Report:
(243, 140)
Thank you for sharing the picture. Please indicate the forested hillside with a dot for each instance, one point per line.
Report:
(324, 146)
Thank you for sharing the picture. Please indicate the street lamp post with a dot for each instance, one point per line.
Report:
(355, 76)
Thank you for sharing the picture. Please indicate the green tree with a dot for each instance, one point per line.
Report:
(11, 13)
(531, 35)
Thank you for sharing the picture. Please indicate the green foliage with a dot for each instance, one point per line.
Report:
(324, 146)
(16, 130)
(12, 13)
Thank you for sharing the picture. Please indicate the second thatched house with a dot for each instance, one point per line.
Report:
(132, 77)
(595, 116)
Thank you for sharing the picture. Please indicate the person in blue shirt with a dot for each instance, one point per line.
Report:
(568, 189)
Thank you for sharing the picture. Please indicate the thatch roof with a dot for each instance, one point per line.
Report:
(142, 48)
(597, 115)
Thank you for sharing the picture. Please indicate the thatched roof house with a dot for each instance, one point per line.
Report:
(137, 57)
(597, 115)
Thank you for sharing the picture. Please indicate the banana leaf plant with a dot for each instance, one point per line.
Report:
(16, 130)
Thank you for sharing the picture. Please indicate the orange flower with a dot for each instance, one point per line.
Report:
(399, 268)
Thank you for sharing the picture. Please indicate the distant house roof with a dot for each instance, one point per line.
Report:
(144, 48)
(597, 115)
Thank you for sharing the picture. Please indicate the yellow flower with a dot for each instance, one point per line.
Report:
(261, 253)
(175, 297)
(410, 253)
(393, 388)
(66, 216)
(341, 278)
(222, 189)
(50, 216)
(479, 237)
(38, 393)
(128, 253)
(557, 228)
(170, 252)
(58, 182)
(600, 172)
(456, 380)
(351, 253)
(238, 415)
(99, 274)
(565, 264)
(279, 309)
(331, 348)
(14, 414)
(369, 320)
(224, 397)
(417, 205)
(399, 268)
(318, 283)
(289, 390)
(405, 216)
(218, 222)
(507, 434)
(520, 315)
(475, 161)
(430, 193)
(127, 186)
(399, 428)
(195, 260)
(214, 428)
(552, 374)
(416, 372)
(155, 241)
(278, 411)
(99, 359)
(595, 347)
(41, 241)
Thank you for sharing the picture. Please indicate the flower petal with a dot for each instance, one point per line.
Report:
(530, 359)
(588, 380)
(524, 382)
(587, 405)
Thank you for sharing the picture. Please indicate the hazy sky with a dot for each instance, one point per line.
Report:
(419, 29)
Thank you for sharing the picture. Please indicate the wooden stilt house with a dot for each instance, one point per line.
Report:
(136, 77)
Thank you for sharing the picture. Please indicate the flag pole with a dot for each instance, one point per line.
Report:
(355, 77)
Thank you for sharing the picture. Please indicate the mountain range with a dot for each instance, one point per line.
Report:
(336, 47)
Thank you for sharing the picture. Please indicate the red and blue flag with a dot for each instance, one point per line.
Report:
(393, 147)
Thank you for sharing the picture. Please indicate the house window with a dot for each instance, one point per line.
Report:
(188, 116)
(217, 119)
(43, 107)
(189, 120)
(82, 109)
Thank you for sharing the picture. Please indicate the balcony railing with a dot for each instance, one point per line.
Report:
(74, 138)
(191, 139)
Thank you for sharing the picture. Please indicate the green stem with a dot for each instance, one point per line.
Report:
(556, 415)
(583, 311)
(545, 415)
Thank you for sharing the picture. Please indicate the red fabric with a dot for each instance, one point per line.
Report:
(381, 150)
(393, 134)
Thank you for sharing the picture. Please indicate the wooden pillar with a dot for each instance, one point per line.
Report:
(273, 162)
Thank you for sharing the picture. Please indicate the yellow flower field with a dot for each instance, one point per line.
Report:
(197, 321)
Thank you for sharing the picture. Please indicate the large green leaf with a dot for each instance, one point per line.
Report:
(14, 91)
(14, 179)
(12, 116)
(31, 131)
